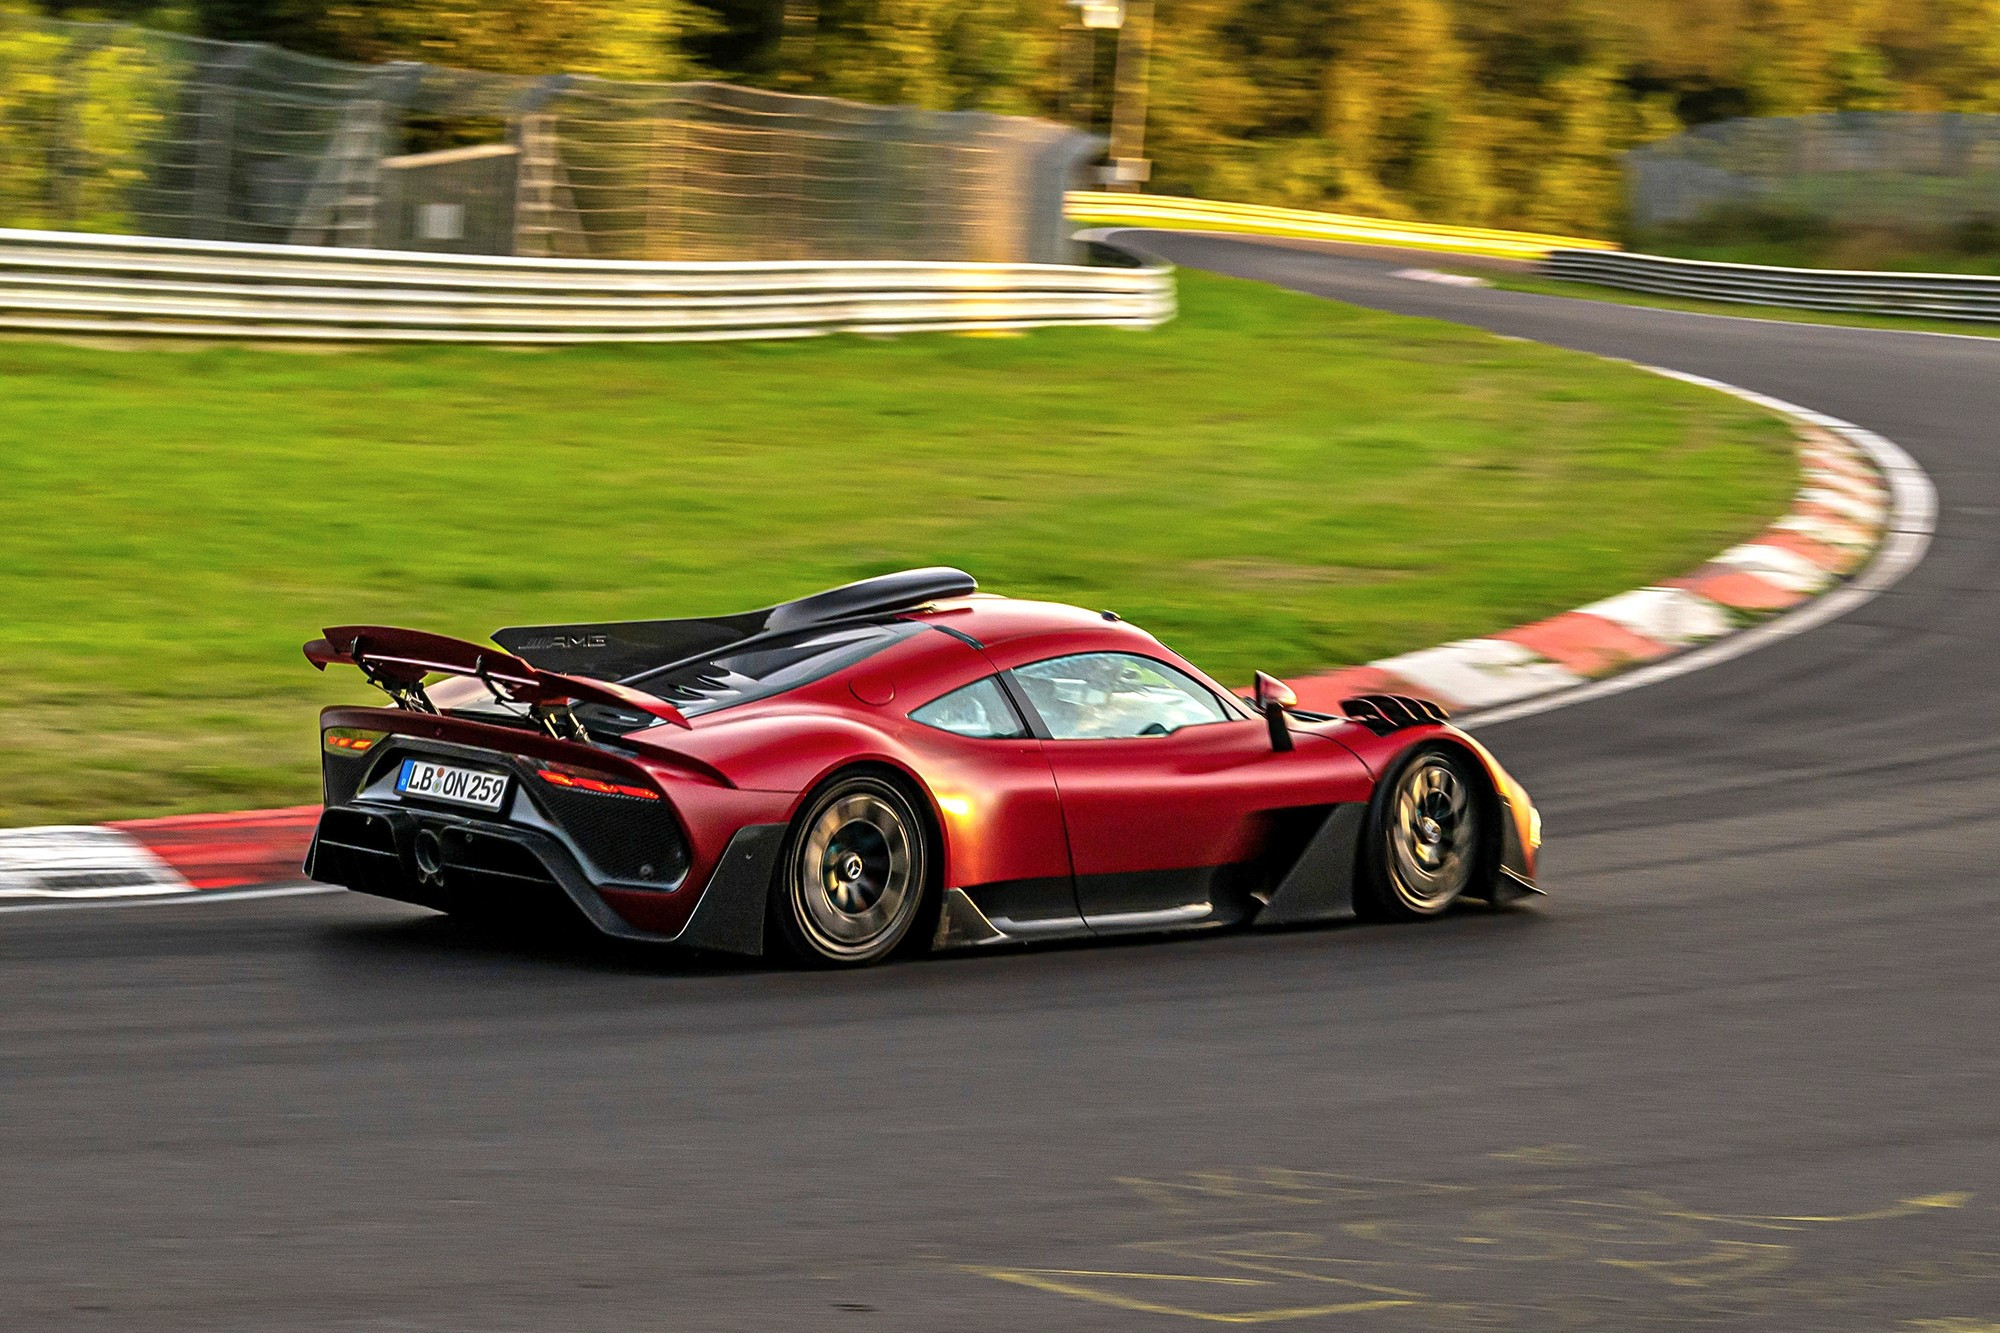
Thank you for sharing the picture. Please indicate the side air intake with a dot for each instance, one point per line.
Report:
(1384, 713)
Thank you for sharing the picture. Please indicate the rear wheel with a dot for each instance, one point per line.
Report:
(1426, 841)
(852, 879)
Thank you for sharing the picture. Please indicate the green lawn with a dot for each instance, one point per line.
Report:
(1269, 481)
(1874, 253)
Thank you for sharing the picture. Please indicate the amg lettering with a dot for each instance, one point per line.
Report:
(565, 641)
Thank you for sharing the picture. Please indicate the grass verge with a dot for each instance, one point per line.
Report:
(1270, 481)
(1590, 291)
(1872, 250)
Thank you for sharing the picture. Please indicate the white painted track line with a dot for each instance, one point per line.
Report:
(180, 900)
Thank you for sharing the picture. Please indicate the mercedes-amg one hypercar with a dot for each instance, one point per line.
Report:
(898, 764)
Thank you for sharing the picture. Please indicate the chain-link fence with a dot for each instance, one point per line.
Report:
(111, 128)
(1900, 170)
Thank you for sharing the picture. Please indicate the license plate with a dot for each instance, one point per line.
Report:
(460, 786)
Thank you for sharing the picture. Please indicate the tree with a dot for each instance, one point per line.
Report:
(947, 55)
(1578, 184)
(633, 39)
(80, 109)
(1501, 111)
(1205, 104)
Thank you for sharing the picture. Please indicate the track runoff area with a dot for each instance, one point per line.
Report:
(1736, 1071)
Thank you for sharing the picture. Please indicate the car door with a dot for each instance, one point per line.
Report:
(991, 778)
(1166, 788)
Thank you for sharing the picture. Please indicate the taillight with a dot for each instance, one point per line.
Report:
(349, 740)
(576, 779)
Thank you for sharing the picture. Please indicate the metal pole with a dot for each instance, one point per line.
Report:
(535, 180)
(798, 38)
(214, 147)
(1129, 168)
(1073, 90)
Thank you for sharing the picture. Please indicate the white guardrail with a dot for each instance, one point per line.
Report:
(1921, 295)
(74, 283)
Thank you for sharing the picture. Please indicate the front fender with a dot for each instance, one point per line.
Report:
(1520, 822)
(1520, 825)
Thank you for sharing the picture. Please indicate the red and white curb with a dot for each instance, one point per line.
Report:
(227, 855)
(81, 861)
(1864, 505)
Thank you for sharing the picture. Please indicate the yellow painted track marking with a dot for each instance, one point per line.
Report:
(1043, 1280)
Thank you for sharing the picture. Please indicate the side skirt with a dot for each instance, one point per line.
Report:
(1201, 898)
(961, 925)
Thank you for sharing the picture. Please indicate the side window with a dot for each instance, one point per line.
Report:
(1101, 696)
(979, 709)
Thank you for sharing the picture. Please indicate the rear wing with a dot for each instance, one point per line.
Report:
(396, 661)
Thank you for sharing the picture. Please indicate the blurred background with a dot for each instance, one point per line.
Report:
(1472, 112)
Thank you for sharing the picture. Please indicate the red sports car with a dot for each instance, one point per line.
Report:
(899, 763)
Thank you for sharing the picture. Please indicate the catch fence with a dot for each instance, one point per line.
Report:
(1899, 170)
(1958, 296)
(112, 128)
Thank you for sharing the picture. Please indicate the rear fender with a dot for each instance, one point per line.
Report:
(795, 753)
(790, 752)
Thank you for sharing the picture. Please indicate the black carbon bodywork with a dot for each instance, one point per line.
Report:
(1384, 713)
(341, 775)
(372, 849)
(1513, 881)
(730, 916)
(1320, 884)
(617, 841)
(546, 846)
(1307, 876)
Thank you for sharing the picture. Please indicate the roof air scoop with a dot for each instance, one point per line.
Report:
(870, 597)
(630, 650)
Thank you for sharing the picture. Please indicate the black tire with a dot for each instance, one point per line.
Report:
(852, 880)
(1429, 837)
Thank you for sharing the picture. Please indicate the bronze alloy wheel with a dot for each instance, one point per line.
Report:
(1427, 837)
(855, 877)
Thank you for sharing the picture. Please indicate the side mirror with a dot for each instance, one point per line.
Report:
(1273, 697)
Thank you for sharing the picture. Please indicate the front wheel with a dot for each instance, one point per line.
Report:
(852, 879)
(1426, 840)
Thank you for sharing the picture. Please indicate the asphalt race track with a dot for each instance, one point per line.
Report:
(1739, 1071)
